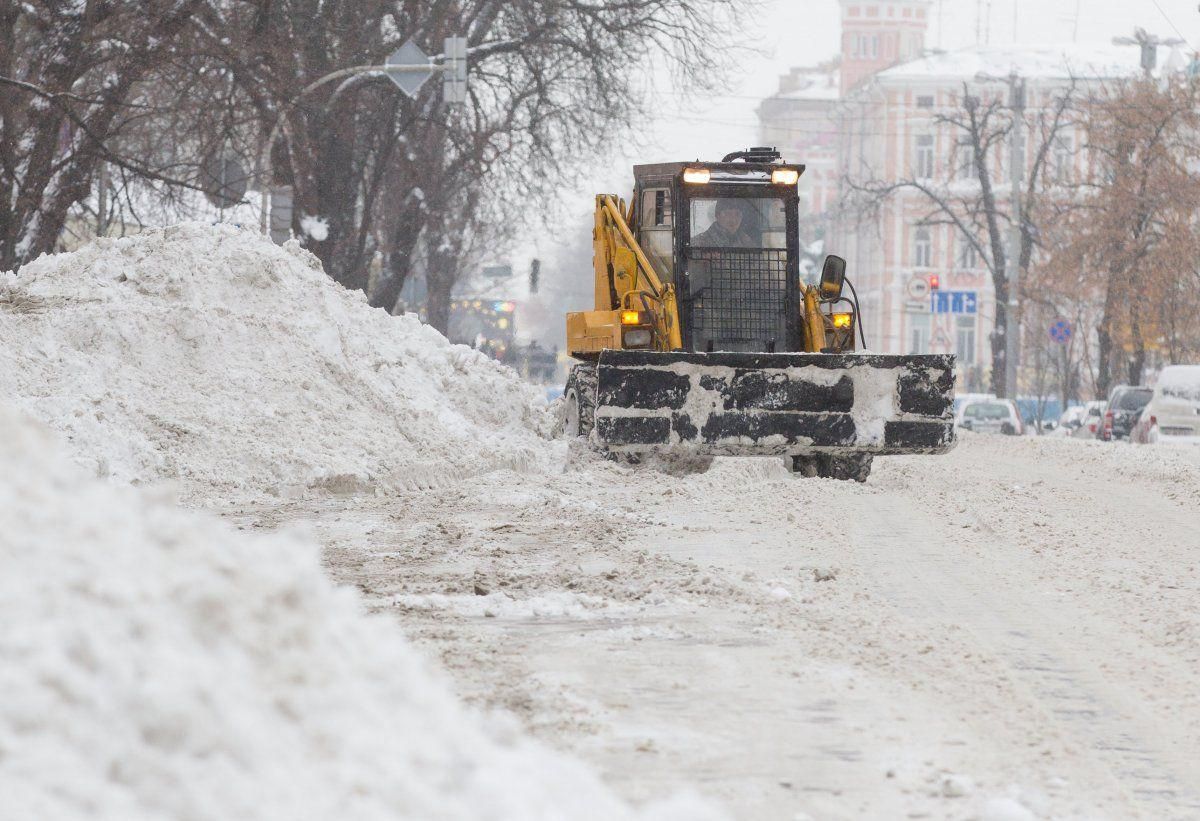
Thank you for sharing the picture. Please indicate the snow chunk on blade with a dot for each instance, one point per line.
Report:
(208, 355)
(751, 404)
(158, 664)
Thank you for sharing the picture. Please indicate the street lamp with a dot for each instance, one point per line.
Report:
(408, 67)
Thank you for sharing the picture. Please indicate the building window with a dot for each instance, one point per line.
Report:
(922, 249)
(966, 160)
(918, 333)
(923, 165)
(925, 101)
(964, 339)
(1064, 158)
(968, 258)
(875, 45)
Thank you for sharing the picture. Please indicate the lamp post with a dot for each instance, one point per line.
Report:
(408, 67)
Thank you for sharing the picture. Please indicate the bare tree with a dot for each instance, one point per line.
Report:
(968, 194)
(73, 75)
(355, 152)
(1135, 233)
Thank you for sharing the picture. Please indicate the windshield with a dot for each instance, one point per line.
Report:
(1133, 400)
(987, 411)
(738, 222)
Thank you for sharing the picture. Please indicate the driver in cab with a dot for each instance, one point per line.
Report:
(726, 230)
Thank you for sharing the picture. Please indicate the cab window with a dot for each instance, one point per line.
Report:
(738, 222)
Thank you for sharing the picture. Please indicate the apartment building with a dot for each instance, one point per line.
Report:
(885, 127)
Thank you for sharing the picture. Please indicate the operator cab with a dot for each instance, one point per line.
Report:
(726, 234)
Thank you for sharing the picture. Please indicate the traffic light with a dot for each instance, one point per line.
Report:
(934, 282)
(535, 273)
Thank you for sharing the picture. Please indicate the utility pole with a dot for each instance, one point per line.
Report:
(1016, 153)
(1149, 44)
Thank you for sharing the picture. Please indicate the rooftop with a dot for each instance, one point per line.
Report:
(1047, 62)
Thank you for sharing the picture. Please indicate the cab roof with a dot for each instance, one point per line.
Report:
(721, 171)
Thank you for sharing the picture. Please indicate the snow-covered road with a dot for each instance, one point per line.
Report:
(1005, 632)
(1009, 631)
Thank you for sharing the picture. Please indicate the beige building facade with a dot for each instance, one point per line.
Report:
(884, 127)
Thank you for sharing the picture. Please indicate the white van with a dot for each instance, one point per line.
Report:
(1173, 414)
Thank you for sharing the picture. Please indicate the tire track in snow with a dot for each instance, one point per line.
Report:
(1056, 652)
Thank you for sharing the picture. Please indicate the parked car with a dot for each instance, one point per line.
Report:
(1070, 420)
(1124, 403)
(1173, 412)
(990, 416)
(1091, 420)
(961, 399)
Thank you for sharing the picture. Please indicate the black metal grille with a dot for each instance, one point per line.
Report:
(740, 299)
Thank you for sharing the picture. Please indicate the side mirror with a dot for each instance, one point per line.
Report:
(833, 276)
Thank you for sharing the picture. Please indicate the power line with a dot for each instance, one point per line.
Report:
(1171, 23)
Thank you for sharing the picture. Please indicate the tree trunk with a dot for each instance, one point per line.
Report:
(441, 276)
(999, 348)
(1104, 362)
(1137, 362)
(401, 245)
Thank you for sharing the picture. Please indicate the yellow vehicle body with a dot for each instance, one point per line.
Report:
(626, 282)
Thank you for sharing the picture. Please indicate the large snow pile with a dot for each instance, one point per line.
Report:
(157, 664)
(207, 354)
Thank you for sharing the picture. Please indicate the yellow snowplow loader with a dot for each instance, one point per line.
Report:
(704, 340)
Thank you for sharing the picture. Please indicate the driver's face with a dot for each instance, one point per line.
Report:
(730, 219)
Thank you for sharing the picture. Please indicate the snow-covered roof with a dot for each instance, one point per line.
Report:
(813, 86)
(1046, 62)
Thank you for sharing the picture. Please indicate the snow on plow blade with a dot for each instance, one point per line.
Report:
(748, 404)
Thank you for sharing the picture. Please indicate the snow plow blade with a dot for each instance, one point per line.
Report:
(762, 404)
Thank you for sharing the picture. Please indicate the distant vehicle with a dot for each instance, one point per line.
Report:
(1173, 412)
(961, 399)
(1070, 420)
(991, 416)
(1124, 403)
(1091, 419)
(488, 325)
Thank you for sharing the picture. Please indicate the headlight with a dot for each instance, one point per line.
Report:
(631, 318)
(843, 320)
(784, 176)
(696, 175)
(637, 338)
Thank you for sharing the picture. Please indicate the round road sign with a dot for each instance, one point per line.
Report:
(918, 288)
(1060, 331)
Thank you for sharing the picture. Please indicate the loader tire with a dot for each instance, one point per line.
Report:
(580, 401)
(826, 466)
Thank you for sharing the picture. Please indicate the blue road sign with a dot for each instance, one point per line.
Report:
(953, 302)
(1060, 331)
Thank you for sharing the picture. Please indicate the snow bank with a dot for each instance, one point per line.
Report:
(155, 663)
(206, 353)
